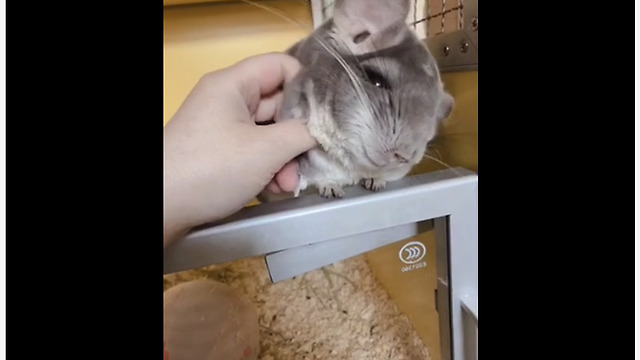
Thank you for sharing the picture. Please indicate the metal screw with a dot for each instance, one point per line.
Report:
(445, 50)
(464, 46)
(474, 24)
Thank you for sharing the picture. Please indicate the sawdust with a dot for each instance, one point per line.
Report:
(337, 312)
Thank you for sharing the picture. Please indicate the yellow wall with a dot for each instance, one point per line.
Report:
(204, 37)
(457, 141)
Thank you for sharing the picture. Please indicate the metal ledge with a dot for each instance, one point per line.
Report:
(289, 263)
(287, 224)
(470, 305)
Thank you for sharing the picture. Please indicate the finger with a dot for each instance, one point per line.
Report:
(288, 177)
(268, 107)
(274, 187)
(268, 71)
(262, 75)
(254, 77)
(283, 141)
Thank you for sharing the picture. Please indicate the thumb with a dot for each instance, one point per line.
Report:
(283, 141)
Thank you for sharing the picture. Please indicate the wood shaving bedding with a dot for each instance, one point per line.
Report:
(337, 312)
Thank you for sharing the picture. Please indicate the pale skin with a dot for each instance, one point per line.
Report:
(216, 158)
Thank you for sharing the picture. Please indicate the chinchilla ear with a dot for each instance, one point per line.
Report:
(359, 20)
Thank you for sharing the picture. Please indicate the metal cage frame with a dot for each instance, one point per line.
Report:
(458, 50)
(446, 200)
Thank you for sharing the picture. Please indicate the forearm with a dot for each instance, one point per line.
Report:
(174, 224)
(172, 232)
(193, 190)
(176, 203)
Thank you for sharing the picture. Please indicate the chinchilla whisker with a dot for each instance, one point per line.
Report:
(434, 148)
(277, 13)
(442, 163)
(354, 79)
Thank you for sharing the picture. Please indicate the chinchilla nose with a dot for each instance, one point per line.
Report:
(389, 157)
(401, 158)
(395, 156)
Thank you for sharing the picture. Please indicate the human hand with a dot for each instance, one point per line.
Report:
(216, 158)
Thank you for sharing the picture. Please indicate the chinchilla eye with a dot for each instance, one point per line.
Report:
(376, 78)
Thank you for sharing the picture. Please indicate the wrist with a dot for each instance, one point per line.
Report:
(176, 217)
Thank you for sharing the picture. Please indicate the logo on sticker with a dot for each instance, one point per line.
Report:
(412, 252)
